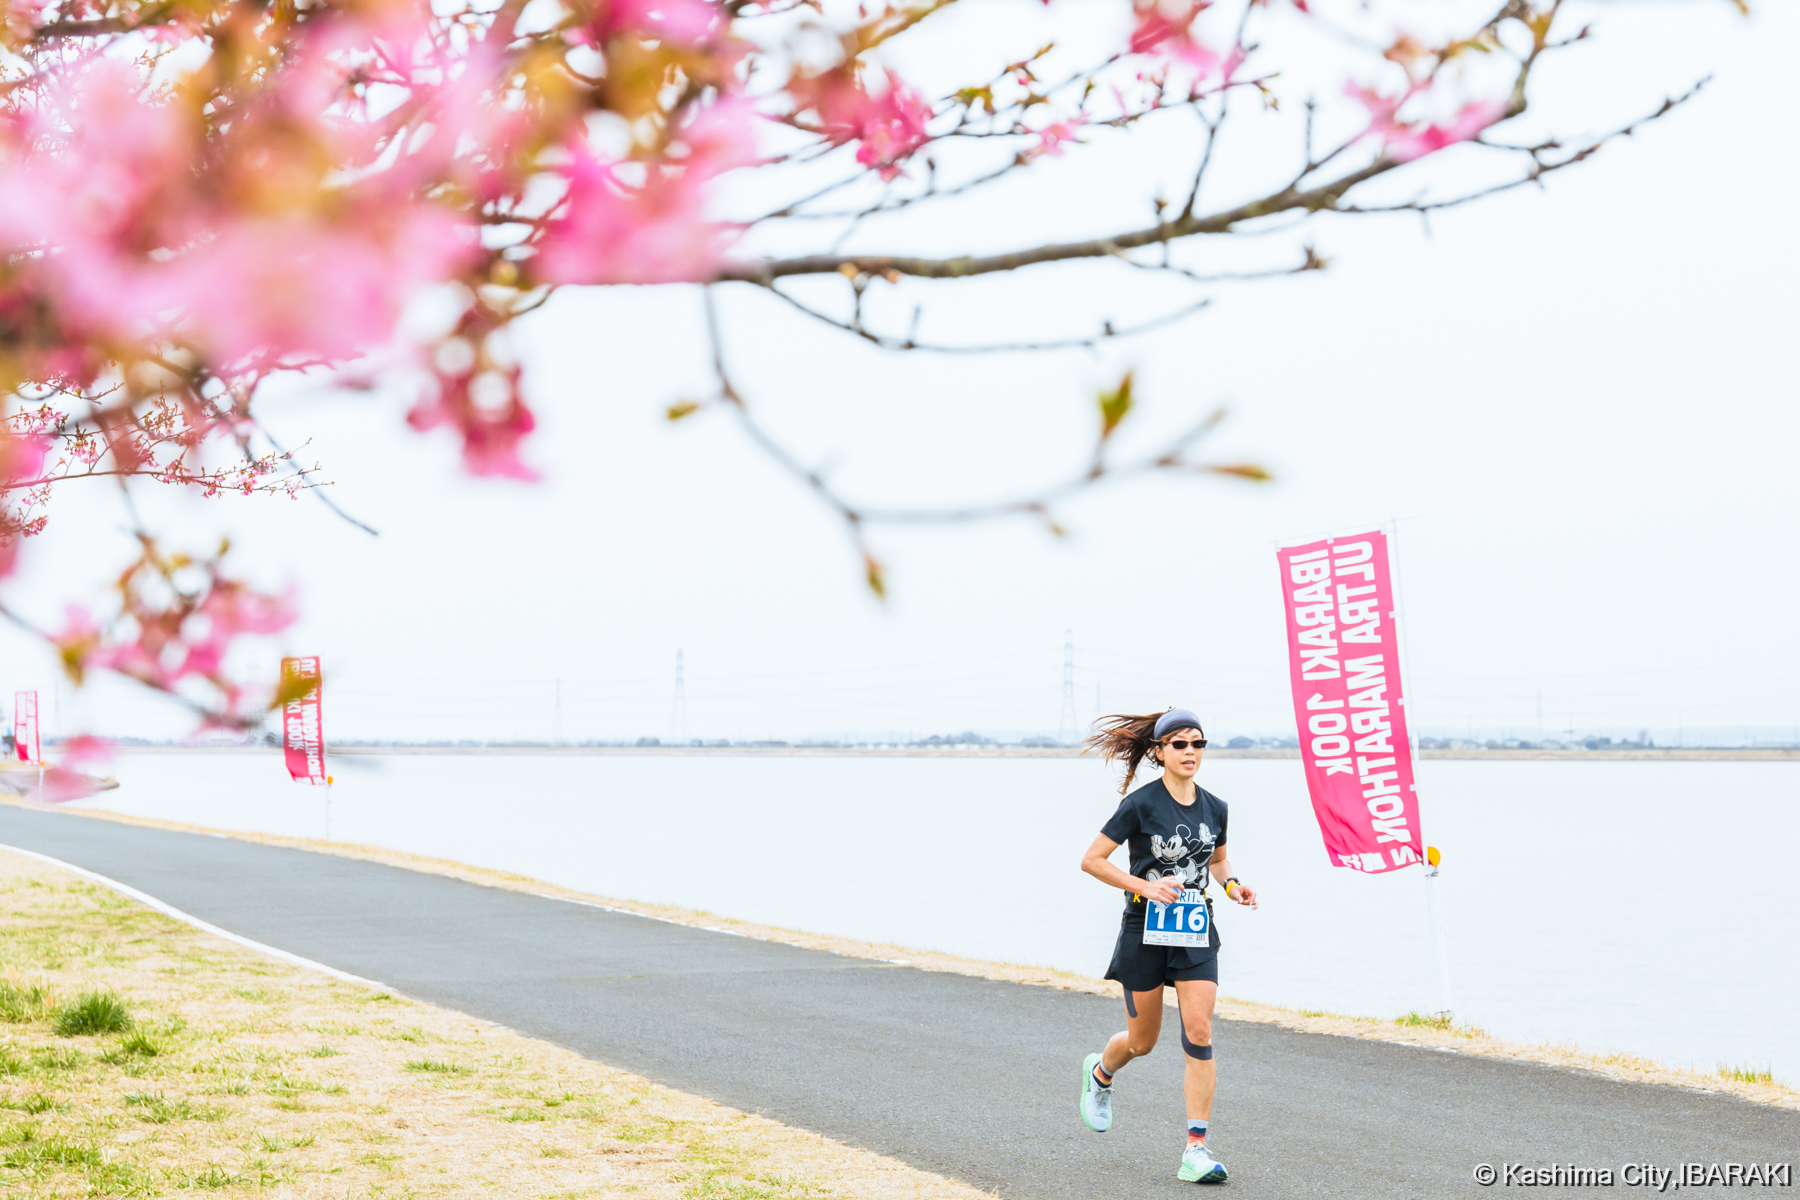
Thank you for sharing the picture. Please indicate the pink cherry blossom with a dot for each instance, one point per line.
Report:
(64, 780)
(688, 22)
(654, 230)
(891, 125)
(86, 750)
(305, 286)
(720, 137)
(1404, 143)
(21, 454)
(1052, 138)
(616, 232)
(491, 432)
(230, 610)
(1164, 30)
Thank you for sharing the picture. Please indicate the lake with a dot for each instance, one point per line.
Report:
(1638, 906)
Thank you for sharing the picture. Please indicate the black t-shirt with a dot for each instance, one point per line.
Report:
(1168, 839)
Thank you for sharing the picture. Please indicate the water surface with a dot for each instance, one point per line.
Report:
(1640, 906)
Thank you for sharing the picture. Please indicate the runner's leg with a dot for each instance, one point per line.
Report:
(1196, 998)
(1143, 1024)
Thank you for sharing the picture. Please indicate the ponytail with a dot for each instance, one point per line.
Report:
(1130, 738)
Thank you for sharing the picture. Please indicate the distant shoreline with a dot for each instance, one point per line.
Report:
(1764, 754)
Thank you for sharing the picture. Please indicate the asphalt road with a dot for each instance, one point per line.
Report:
(966, 1077)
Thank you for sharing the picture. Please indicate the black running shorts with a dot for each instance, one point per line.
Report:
(1141, 968)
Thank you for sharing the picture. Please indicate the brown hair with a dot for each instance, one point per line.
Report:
(1132, 738)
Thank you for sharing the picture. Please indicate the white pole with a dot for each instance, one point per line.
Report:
(1433, 902)
(328, 808)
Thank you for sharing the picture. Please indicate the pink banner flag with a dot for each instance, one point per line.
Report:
(1344, 658)
(25, 727)
(303, 722)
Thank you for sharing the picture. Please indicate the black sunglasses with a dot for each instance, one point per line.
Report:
(1179, 745)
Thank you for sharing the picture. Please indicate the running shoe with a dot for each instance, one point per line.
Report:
(1096, 1101)
(1197, 1166)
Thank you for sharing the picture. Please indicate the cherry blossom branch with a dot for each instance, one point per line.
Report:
(178, 619)
(319, 492)
(1114, 407)
(1540, 165)
(1107, 331)
(1290, 199)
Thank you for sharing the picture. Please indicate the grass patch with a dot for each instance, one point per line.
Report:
(53, 1152)
(211, 1069)
(154, 1108)
(91, 1013)
(1421, 1020)
(1746, 1074)
(52, 1060)
(210, 1178)
(21, 1004)
(439, 1068)
(137, 1043)
(1443, 1024)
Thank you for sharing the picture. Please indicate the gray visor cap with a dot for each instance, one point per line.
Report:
(1176, 718)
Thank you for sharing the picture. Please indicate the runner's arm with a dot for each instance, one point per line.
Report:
(1095, 862)
(1220, 866)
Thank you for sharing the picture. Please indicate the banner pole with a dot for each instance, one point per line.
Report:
(328, 808)
(1433, 901)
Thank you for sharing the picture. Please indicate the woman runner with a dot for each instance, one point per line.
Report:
(1177, 836)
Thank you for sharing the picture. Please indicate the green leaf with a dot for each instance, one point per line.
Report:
(1114, 405)
(1250, 471)
(291, 689)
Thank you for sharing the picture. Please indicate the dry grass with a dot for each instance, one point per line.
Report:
(235, 1074)
(1424, 1031)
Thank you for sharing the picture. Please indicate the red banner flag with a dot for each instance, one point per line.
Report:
(303, 723)
(1344, 658)
(25, 727)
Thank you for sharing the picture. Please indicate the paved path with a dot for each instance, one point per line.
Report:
(967, 1077)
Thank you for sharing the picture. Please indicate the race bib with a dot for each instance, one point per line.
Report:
(1183, 923)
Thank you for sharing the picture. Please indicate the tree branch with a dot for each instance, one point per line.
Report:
(1173, 457)
(910, 343)
(1289, 199)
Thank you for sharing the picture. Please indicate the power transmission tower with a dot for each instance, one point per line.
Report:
(556, 736)
(678, 719)
(1065, 727)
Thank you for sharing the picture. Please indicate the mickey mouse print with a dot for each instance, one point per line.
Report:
(1184, 856)
(1168, 840)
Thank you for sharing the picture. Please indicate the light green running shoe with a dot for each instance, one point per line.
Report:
(1198, 1166)
(1096, 1101)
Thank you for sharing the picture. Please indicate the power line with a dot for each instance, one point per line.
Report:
(1065, 727)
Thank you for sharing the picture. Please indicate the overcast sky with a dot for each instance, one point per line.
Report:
(1578, 401)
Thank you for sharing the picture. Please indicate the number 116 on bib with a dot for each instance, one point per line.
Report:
(1183, 923)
